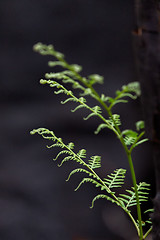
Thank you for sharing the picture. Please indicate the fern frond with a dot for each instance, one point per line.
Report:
(70, 145)
(104, 98)
(47, 134)
(55, 145)
(132, 90)
(133, 138)
(103, 196)
(114, 120)
(96, 110)
(69, 158)
(62, 152)
(110, 123)
(115, 179)
(129, 199)
(133, 87)
(130, 137)
(47, 50)
(129, 140)
(56, 63)
(68, 100)
(94, 162)
(140, 125)
(82, 153)
(66, 77)
(76, 68)
(95, 78)
(80, 170)
(90, 180)
(77, 108)
(100, 127)
(59, 75)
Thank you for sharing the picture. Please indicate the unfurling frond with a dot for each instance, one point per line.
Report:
(114, 120)
(103, 196)
(58, 142)
(94, 162)
(115, 179)
(129, 199)
(82, 153)
(76, 68)
(140, 125)
(111, 123)
(95, 78)
(132, 90)
(104, 98)
(90, 180)
(68, 158)
(133, 87)
(130, 137)
(49, 135)
(96, 110)
(60, 153)
(70, 145)
(100, 127)
(47, 50)
(80, 170)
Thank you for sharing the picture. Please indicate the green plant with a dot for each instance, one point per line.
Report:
(129, 139)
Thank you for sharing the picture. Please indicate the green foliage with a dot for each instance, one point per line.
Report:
(129, 139)
(115, 179)
(129, 199)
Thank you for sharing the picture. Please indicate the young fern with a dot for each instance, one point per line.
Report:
(128, 138)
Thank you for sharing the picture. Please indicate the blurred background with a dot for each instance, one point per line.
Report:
(35, 201)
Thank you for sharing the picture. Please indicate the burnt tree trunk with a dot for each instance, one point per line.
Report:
(147, 48)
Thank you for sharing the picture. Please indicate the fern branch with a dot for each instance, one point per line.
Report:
(94, 161)
(81, 170)
(103, 196)
(95, 111)
(115, 179)
(130, 199)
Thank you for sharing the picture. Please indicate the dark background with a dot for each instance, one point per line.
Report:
(35, 201)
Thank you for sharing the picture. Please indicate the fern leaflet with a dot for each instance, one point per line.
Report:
(129, 199)
(94, 162)
(115, 179)
(103, 196)
(90, 180)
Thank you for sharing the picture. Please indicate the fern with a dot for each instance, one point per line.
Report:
(80, 170)
(103, 196)
(94, 162)
(129, 139)
(90, 180)
(129, 199)
(132, 90)
(116, 179)
(100, 127)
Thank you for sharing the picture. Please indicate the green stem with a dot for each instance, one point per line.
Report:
(148, 232)
(136, 194)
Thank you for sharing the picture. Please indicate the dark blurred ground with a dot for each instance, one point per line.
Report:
(35, 201)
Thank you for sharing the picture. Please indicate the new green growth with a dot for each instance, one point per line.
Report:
(70, 76)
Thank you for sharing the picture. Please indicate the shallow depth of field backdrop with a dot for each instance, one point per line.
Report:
(35, 201)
